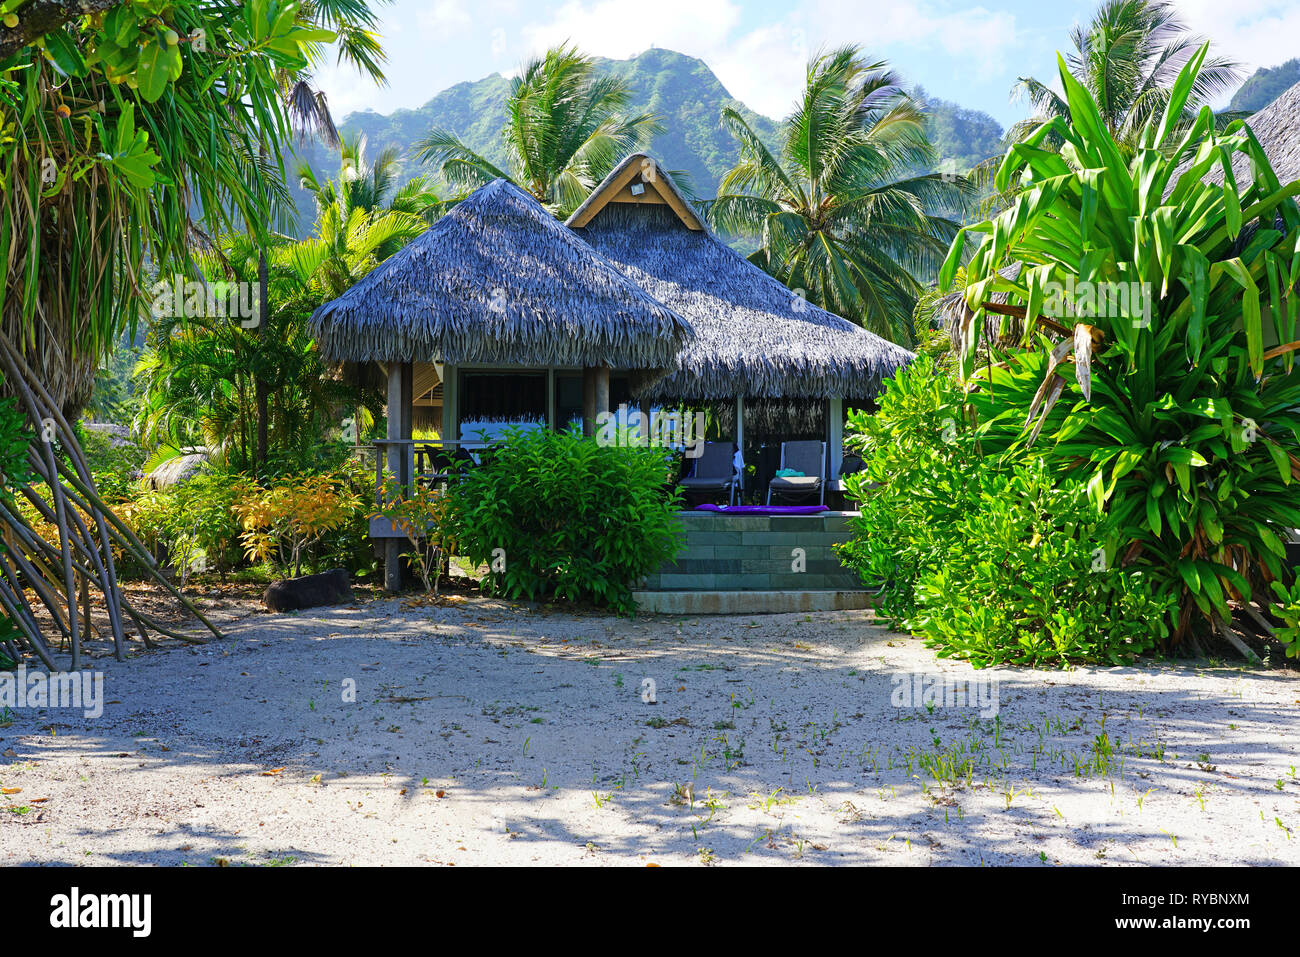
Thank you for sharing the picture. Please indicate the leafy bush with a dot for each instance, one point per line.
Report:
(1024, 581)
(988, 558)
(282, 522)
(552, 513)
(426, 517)
(1142, 321)
(192, 525)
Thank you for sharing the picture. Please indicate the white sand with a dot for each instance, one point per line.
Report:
(531, 725)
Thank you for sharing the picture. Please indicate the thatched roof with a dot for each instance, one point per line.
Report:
(1277, 127)
(178, 469)
(754, 336)
(499, 280)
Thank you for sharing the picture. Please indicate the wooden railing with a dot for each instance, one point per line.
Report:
(425, 462)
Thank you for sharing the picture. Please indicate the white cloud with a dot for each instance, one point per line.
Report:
(1256, 33)
(618, 29)
(764, 66)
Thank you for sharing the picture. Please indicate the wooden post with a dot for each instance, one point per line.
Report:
(400, 380)
(835, 414)
(450, 404)
(551, 422)
(588, 401)
(740, 438)
(602, 389)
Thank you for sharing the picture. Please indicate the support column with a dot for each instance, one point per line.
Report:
(588, 401)
(740, 437)
(835, 416)
(400, 457)
(450, 404)
(550, 399)
(602, 389)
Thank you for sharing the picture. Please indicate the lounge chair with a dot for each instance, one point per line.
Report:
(714, 471)
(808, 457)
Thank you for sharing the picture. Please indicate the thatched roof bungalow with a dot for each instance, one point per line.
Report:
(754, 336)
(499, 281)
(526, 317)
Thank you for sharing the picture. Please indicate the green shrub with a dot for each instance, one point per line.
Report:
(191, 525)
(988, 558)
(1153, 350)
(554, 514)
(1024, 580)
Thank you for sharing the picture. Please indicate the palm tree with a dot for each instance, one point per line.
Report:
(360, 219)
(369, 186)
(1127, 59)
(352, 24)
(842, 212)
(564, 132)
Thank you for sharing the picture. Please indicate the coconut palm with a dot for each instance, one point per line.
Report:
(564, 132)
(842, 213)
(369, 186)
(351, 24)
(1127, 58)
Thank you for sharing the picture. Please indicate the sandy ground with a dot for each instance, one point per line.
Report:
(485, 732)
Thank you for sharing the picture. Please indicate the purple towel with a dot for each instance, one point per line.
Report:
(764, 509)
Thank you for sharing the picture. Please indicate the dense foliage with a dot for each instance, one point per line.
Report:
(988, 558)
(554, 514)
(1148, 343)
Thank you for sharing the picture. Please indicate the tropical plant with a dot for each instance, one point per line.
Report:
(198, 381)
(360, 221)
(842, 213)
(425, 517)
(564, 132)
(118, 120)
(283, 521)
(986, 557)
(1157, 317)
(1127, 58)
(351, 23)
(555, 514)
(370, 186)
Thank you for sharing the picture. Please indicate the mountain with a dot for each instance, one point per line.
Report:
(962, 138)
(1265, 86)
(682, 89)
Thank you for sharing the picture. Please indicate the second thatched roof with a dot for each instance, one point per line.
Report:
(754, 336)
(498, 280)
(1277, 127)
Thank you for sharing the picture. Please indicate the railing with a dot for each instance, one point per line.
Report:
(425, 462)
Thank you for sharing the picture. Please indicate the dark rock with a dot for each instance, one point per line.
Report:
(292, 594)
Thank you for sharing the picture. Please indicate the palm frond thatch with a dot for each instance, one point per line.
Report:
(500, 280)
(1277, 127)
(754, 336)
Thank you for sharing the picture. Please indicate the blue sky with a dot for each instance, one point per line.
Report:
(969, 53)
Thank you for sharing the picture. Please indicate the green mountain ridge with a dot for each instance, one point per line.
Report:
(1264, 86)
(682, 89)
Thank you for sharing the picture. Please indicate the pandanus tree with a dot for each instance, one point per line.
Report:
(120, 121)
(843, 214)
(1147, 342)
(565, 130)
